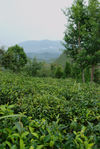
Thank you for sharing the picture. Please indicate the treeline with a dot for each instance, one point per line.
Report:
(82, 35)
(15, 60)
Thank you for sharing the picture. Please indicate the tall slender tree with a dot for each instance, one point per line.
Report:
(82, 35)
(93, 40)
(75, 32)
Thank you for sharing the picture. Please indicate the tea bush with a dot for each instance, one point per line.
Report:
(48, 113)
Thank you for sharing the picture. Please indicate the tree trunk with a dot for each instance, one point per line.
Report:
(92, 73)
(83, 77)
(79, 43)
(79, 39)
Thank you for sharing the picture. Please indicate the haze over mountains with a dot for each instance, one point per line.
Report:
(42, 49)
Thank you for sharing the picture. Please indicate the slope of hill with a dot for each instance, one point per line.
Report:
(61, 60)
(43, 49)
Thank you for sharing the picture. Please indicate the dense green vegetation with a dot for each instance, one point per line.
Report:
(55, 113)
(61, 60)
(14, 58)
(82, 35)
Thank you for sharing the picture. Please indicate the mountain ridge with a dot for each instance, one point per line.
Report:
(48, 49)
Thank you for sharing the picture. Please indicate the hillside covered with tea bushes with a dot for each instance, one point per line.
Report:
(43, 113)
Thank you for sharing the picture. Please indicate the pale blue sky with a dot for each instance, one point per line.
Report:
(22, 20)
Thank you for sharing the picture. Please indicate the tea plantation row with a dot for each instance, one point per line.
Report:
(43, 113)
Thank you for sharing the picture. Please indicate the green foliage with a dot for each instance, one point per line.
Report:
(67, 69)
(82, 34)
(82, 141)
(1, 55)
(94, 42)
(58, 72)
(36, 69)
(55, 113)
(53, 69)
(45, 70)
(14, 58)
(35, 134)
(76, 73)
(97, 74)
(32, 67)
(61, 60)
(75, 30)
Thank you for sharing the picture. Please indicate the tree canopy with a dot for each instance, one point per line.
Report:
(14, 58)
(82, 34)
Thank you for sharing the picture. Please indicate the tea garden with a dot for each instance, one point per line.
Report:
(43, 113)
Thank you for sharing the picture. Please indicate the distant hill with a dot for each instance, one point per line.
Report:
(47, 50)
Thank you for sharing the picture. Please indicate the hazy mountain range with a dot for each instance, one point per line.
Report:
(43, 49)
